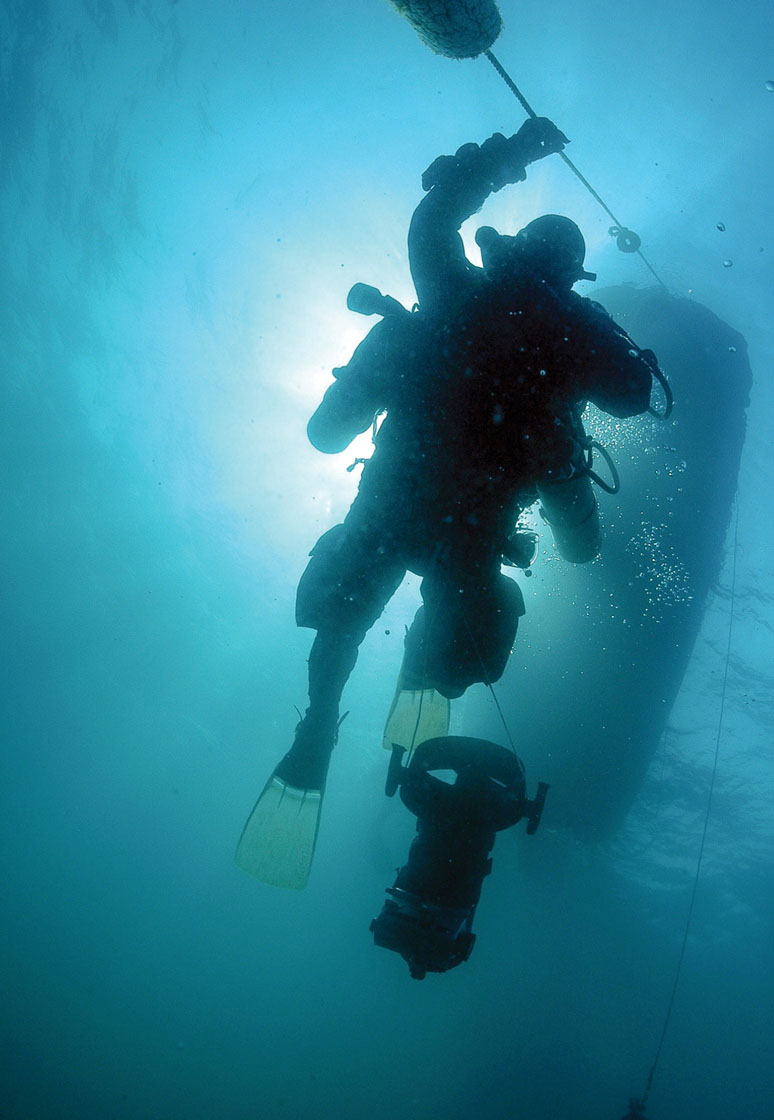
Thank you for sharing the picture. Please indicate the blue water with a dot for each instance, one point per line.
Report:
(188, 191)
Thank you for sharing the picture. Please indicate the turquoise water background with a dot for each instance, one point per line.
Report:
(187, 192)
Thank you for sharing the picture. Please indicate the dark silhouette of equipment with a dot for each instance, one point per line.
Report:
(428, 916)
(636, 1109)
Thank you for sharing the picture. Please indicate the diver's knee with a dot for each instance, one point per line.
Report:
(319, 589)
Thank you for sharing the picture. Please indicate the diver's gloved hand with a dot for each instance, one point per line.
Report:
(492, 164)
(498, 160)
(505, 161)
(537, 137)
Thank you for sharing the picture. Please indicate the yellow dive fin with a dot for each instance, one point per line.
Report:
(277, 842)
(416, 716)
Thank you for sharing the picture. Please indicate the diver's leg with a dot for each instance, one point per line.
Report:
(352, 574)
(331, 661)
(418, 711)
(278, 841)
(420, 708)
(464, 632)
(341, 594)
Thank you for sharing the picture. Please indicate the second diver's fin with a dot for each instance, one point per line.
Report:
(416, 716)
(277, 842)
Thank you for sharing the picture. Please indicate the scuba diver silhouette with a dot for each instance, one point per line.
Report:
(483, 385)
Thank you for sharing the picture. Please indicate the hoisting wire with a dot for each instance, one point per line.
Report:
(641, 1101)
(627, 241)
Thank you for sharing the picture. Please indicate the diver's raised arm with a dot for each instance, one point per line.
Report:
(457, 187)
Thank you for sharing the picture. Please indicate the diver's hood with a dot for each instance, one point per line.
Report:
(551, 246)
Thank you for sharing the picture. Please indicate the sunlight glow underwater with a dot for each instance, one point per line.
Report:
(188, 194)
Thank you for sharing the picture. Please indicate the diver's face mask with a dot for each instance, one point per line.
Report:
(551, 248)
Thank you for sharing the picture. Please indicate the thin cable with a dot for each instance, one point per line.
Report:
(531, 113)
(489, 684)
(706, 816)
(502, 717)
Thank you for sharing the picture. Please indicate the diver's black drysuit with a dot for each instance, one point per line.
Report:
(483, 388)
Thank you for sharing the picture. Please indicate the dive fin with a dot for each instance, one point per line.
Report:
(277, 842)
(416, 716)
